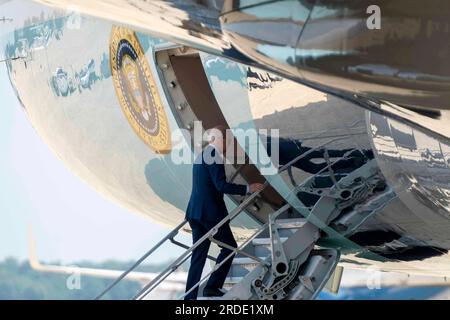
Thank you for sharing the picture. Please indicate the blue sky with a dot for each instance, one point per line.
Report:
(67, 217)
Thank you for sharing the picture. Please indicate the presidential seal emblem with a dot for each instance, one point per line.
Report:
(136, 90)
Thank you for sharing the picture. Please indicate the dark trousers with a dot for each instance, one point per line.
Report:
(199, 256)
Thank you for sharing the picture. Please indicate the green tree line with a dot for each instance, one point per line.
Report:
(19, 281)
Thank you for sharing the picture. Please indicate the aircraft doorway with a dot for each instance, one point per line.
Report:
(192, 99)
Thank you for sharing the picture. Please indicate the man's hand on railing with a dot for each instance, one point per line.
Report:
(255, 187)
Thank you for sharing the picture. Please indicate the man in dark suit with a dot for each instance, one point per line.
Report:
(206, 208)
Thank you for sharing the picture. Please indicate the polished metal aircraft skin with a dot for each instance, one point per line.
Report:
(96, 90)
(329, 45)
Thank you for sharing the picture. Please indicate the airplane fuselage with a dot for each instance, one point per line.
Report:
(109, 100)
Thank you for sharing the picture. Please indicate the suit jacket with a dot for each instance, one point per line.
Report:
(208, 188)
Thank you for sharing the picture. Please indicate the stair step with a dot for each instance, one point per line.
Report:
(318, 267)
(265, 241)
(245, 260)
(291, 223)
(241, 266)
(233, 280)
(261, 246)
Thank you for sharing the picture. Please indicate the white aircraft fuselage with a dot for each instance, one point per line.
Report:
(108, 100)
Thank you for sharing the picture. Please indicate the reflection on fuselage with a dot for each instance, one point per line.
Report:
(260, 80)
(314, 118)
(417, 166)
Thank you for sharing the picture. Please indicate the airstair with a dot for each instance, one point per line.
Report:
(281, 259)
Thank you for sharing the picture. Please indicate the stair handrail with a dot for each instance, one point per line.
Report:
(234, 250)
(326, 168)
(169, 236)
(284, 208)
(236, 211)
(174, 265)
